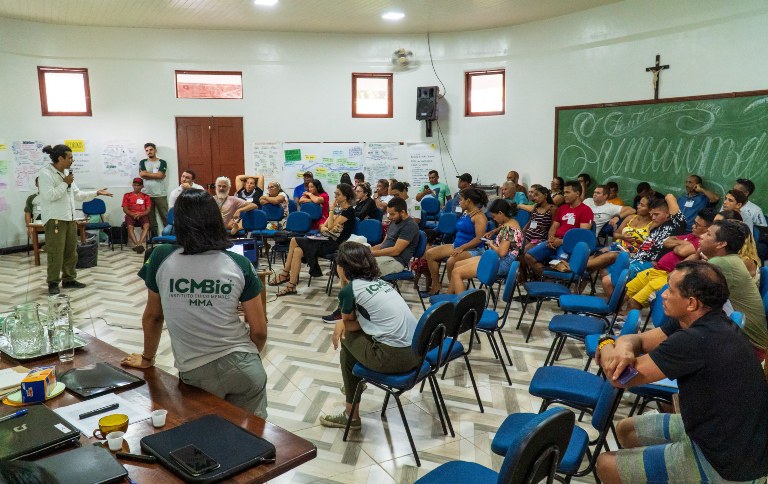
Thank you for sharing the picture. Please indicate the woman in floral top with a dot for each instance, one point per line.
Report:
(507, 243)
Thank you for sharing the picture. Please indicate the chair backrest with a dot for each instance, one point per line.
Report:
(170, 216)
(579, 257)
(522, 217)
(574, 236)
(467, 311)
(606, 406)
(738, 318)
(509, 285)
(273, 211)
(254, 220)
(436, 316)
(298, 222)
(488, 267)
(446, 224)
(370, 229)
(421, 248)
(291, 206)
(430, 207)
(657, 314)
(537, 447)
(763, 281)
(314, 210)
(631, 323)
(378, 214)
(618, 292)
(94, 207)
(621, 263)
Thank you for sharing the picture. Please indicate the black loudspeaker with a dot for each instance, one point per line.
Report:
(426, 102)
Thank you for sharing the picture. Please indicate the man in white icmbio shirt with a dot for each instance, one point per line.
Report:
(187, 182)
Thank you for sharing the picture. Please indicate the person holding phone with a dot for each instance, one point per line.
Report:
(58, 193)
(714, 437)
(435, 188)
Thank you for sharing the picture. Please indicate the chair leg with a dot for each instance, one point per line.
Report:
(384, 406)
(408, 431)
(442, 411)
(560, 349)
(589, 362)
(495, 344)
(445, 370)
(524, 303)
(423, 306)
(634, 406)
(504, 345)
(496, 354)
(474, 384)
(539, 303)
(552, 348)
(358, 391)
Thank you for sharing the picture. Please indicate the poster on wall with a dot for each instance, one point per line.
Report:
(28, 159)
(3, 167)
(326, 161)
(121, 162)
(82, 166)
(383, 160)
(266, 160)
(422, 158)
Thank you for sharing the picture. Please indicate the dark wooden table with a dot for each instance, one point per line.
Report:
(40, 229)
(183, 403)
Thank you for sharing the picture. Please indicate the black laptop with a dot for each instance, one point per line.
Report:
(39, 431)
(86, 465)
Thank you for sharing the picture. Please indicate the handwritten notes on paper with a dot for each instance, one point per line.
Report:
(266, 160)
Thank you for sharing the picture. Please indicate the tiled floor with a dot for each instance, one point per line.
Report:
(304, 380)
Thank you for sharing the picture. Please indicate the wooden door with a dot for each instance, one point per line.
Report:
(211, 147)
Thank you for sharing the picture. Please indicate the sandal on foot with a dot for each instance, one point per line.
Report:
(278, 280)
(289, 290)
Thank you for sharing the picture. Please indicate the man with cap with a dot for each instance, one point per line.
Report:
(452, 206)
(299, 190)
(136, 206)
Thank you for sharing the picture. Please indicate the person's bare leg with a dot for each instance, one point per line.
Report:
(132, 235)
(625, 431)
(606, 468)
(455, 259)
(356, 416)
(434, 256)
(144, 232)
(607, 286)
(536, 266)
(295, 265)
(463, 271)
(601, 261)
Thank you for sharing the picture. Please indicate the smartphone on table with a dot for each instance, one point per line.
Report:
(193, 460)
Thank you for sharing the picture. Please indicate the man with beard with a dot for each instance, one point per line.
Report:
(229, 206)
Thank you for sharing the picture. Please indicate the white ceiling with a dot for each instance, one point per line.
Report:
(338, 16)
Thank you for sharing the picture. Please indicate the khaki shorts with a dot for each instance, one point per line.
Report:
(389, 265)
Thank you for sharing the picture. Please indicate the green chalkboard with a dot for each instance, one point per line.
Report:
(720, 138)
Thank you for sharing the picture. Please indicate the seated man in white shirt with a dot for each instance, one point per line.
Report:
(187, 182)
(750, 212)
(603, 211)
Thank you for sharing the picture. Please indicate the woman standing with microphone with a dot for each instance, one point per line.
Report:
(58, 193)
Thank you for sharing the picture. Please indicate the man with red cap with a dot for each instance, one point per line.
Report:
(136, 206)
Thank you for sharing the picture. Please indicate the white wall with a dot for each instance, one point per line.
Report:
(297, 86)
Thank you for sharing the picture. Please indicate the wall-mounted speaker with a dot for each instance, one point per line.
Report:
(426, 102)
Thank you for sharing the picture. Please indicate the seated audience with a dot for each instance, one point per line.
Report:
(436, 188)
(335, 230)
(628, 238)
(721, 432)
(400, 190)
(734, 200)
(275, 196)
(509, 193)
(613, 194)
(249, 187)
(585, 181)
(187, 179)
(514, 177)
(465, 181)
(467, 243)
(393, 254)
(365, 207)
(316, 194)
(229, 206)
(749, 254)
(507, 244)
(603, 211)
(556, 187)
(644, 190)
(668, 220)
(212, 348)
(299, 190)
(695, 198)
(359, 178)
(136, 207)
(382, 196)
(376, 329)
(542, 214)
(345, 178)
(751, 213)
(571, 214)
(647, 282)
(720, 246)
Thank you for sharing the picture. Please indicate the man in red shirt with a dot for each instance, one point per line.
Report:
(136, 206)
(571, 214)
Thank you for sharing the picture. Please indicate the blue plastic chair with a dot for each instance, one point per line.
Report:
(466, 313)
(487, 269)
(371, 230)
(292, 206)
(541, 291)
(314, 210)
(297, 224)
(168, 236)
(97, 207)
(584, 315)
(429, 334)
(578, 446)
(522, 217)
(430, 209)
(630, 327)
(534, 450)
(446, 226)
(406, 274)
(378, 214)
(763, 281)
(656, 314)
(274, 213)
(491, 323)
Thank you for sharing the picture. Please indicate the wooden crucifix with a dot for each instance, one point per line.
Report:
(656, 70)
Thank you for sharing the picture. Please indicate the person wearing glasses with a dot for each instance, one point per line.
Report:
(365, 206)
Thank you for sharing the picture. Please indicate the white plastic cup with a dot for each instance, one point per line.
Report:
(115, 441)
(158, 418)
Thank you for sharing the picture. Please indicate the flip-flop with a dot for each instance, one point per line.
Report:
(278, 281)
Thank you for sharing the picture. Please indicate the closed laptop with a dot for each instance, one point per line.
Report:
(86, 465)
(38, 432)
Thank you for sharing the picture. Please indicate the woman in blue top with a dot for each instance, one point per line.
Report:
(469, 232)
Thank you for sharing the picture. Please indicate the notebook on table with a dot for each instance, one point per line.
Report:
(97, 379)
(86, 465)
(39, 431)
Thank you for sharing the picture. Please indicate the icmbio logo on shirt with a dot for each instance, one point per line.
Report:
(204, 286)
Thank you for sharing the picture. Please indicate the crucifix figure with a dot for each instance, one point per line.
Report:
(656, 70)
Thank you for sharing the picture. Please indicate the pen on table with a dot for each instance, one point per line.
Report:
(98, 411)
(18, 413)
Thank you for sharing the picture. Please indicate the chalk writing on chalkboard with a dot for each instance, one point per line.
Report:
(720, 139)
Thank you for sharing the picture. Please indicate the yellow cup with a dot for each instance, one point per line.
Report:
(116, 422)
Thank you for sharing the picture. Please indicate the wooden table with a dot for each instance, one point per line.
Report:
(183, 403)
(40, 228)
